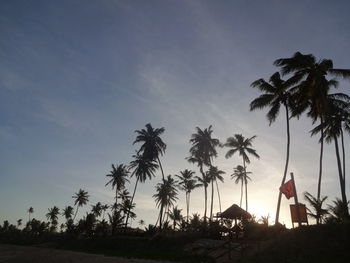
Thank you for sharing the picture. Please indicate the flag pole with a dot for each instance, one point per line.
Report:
(296, 199)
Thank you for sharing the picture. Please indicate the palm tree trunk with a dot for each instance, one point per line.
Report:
(76, 212)
(246, 191)
(160, 216)
(212, 199)
(217, 188)
(240, 202)
(343, 150)
(285, 168)
(161, 168)
(341, 179)
(187, 206)
(205, 194)
(320, 168)
(132, 199)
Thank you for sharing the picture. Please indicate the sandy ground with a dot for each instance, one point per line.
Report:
(21, 254)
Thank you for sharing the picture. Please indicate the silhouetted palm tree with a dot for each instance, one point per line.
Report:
(240, 175)
(176, 216)
(187, 183)
(30, 211)
(165, 196)
(316, 204)
(214, 174)
(340, 210)
(68, 212)
(204, 181)
(118, 179)
(143, 168)
(313, 90)
(332, 128)
(52, 215)
(81, 198)
(97, 209)
(152, 145)
(242, 146)
(275, 94)
(202, 151)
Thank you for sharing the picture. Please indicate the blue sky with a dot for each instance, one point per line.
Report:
(78, 77)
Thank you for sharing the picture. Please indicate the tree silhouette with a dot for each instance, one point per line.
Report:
(176, 216)
(30, 211)
(275, 94)
(202, 151)
(316, 204)
(143, 168)
(81, 198)
(214, 175)
(152, 145)
(187, 183)
(118, 179)
(240, 175)
(166, 194)
(242, 146)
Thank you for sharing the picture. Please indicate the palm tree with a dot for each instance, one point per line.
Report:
(68, 212)
(153, 145)
(275, 94)
(143, 168)
(312, 91)
(30, 211)
(97, 209)
(339, 210)
(118, 179)
(332, 128)
(176, 216)
(165, 196)
(52, 215)
(243, 146)
(316, 204)
(81, 198)
(240, 175)
(214, 174)
(202, 151)
(187, 183)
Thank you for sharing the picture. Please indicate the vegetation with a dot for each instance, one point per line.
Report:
(308, 89)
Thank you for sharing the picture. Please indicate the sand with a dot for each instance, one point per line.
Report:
(25, 254)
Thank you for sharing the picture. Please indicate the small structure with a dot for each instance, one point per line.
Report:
(236, 213)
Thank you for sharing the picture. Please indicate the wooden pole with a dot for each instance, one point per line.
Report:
(296, 199)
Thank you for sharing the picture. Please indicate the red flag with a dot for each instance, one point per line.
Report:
(287, 189)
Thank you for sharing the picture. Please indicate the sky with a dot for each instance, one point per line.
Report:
(77, 78)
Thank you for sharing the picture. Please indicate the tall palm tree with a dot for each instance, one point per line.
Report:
(30, 211)
(202, 151)
(118, 179)
(242, 146)
(143, 168)
(240, 175)
(319, 213)
(81, 198)
(166, 195)
(332, 127)
(187, 183)
(152, 145)
(313, 90)
(276, 93)
(214, 175)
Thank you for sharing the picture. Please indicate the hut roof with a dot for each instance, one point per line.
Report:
(235, 212)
